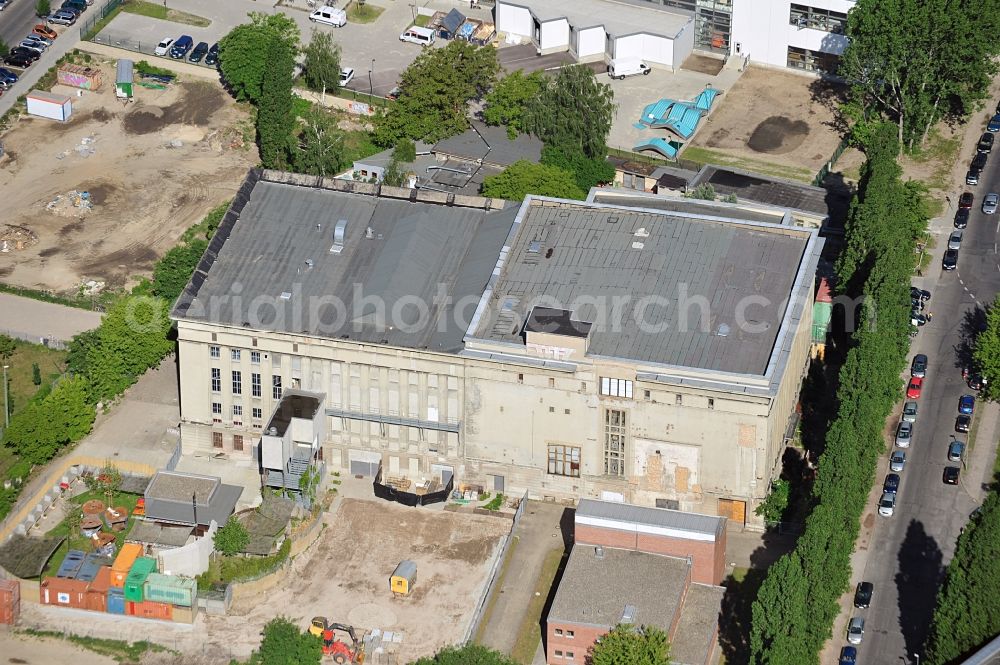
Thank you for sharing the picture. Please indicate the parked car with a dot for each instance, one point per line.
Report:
(70, 9)
(904, 434)
(330, 16)
(18, 60)
(979, 161)
(29, 53)
(962, 423)
(955, 451)
(955, 239)
(994, 124)
(856, 630)
(35, 37)
(915, 386)
(910, 411)
(961, 218)
(950, 260)
(3, 4)
(199, 52)
(966, 404)
(919, 365)
(891, 483)
(78, 5)
(346, 76)
(848, 656)
(887, 504)
(985, 143)
(951, 475)
(164, 46)
(45, 31)
(212, 57)
(920, 294)
(62, 18)
(181, 47)
(966, 200)
(863, 595)
(972, 176)
(897, 460)
(34, 46)
(7, 77)
(976, 382)
(990, 203)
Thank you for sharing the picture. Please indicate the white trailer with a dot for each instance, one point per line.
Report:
(49, 105)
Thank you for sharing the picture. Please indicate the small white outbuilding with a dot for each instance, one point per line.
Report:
(49, 105)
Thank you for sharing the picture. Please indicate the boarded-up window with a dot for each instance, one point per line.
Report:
(216, 439)
(564, 460)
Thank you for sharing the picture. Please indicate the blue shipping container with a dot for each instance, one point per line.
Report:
(91, 564)
(116, 601)
(71, 565)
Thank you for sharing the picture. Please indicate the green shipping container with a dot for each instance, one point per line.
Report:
(182, 591)
(136, 579)
(822, 313)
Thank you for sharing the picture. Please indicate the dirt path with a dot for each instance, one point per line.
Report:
(27, 650)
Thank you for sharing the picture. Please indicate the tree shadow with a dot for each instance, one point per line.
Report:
(973, 323)
(920, 573)
(831, 94)
(838, 197)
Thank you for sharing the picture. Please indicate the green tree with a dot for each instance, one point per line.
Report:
(275, 120)
(405, 151)
(322, 63)
(7, 347)
(42, 9)
(588, 172)
(573, 112)
(506, 102)
(321, 148)
(36, 374)
(773, 507)
(470, 654)
(394, 175)
(704, 192)
(172, 272)
(628, 645)
(968, 607)
(107, 481)
(232, 537)
(436, 90)
(244, 55)
(522, 178)
(47, 423)
(986, 354)
(283, 643)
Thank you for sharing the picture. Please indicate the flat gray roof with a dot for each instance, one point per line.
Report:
(687, 290)
(764, 189)
(682, 206)
(646, 515)
(293, 404)
(174, 486)
(698, 626)
(594, 591)
(618, 19)
(277, 259)
(491, 145)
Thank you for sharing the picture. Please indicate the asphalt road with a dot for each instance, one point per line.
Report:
(909, 550)
(16, 21)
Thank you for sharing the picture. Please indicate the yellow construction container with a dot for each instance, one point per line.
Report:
(403, 578)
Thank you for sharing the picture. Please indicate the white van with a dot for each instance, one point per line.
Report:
(622, 67)
(329, 15)
(417, 35)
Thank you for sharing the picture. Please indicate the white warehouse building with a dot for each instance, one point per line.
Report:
(808, 35)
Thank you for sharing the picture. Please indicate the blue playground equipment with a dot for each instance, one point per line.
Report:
(681, 118)
(706, 98)
(656, 112)
(666, 148)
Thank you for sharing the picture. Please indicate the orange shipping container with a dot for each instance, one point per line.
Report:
(9, 615)
(97, 592)
(149, 610)
(123, 563)
(59, 591)
(10, 601)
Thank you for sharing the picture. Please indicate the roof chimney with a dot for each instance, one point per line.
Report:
(599, 552)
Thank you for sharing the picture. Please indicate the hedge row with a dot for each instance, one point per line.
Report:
(798, 601)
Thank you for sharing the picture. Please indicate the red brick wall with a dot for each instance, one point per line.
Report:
(579, 644)
(708, 558)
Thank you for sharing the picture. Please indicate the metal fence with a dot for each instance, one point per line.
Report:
(124, 41)
(50, 342)
(477, 617)
(825, 170)
(97, 15)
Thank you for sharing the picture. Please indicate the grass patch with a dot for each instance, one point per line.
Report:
(160, 11)
(366, 13)
(422, 20)
(491, 604)
(704, 156)
(940, 152)
(225, 569)
(76, 541)
(48, 296)
(495, 503)
(51, 364)
(103, 23)
(529, 633)
(358, 145)
(143, 67)
(118, 650)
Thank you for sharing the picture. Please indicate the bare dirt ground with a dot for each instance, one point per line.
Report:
(152, 169)
(25, 650)
(774, 116)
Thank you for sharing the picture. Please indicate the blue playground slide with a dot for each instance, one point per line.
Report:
(666, 148)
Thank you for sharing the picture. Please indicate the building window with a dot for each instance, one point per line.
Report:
(213, 351)
(276, 360)
(216, 439)
(255, 357)
(569, 655)
(827, 20)
(237, 382)
(257, 413)
(552, 409)
(255, 384)
(552, 383)
(711, 403)
(253, 342)
(564, 461)
(216, 412)
(616, 387)
(276, 387)
(647, 395)
(559, 634)
(614, 442)
(237, 442)
(812, 61)
(234, 355)
(237, 410)
(216, 380)
(558, 651)
(679, 399)
(566, 412)
(570, 634)
(520, 378)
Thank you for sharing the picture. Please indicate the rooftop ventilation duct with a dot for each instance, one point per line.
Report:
(338, 236)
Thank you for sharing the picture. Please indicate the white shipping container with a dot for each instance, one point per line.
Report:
(49, 105)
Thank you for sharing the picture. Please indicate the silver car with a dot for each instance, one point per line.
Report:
(897, 460)
(904, 434)
(990, 203)
(910, 412)
(856, 630)
(887, 505)
(955, 239)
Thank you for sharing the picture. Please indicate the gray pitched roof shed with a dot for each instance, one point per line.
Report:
(660, 517)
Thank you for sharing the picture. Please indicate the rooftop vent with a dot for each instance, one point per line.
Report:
(641, 232)
(534, 247)
(628, 615)
(369, 233)
(285, 295)
(599, 552)
(309, 264)
(273, 431)
(723, 330)
(338, 236)
(638, 245)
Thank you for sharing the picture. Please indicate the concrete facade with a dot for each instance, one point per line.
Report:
(781, 33)
(512, 419)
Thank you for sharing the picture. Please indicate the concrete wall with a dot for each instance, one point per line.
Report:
(192, 559)
(590, 44)
(555, 36)
(764, 30)
(514, 20)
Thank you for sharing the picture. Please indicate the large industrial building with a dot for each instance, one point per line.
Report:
(808, 36)
(563, 348)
